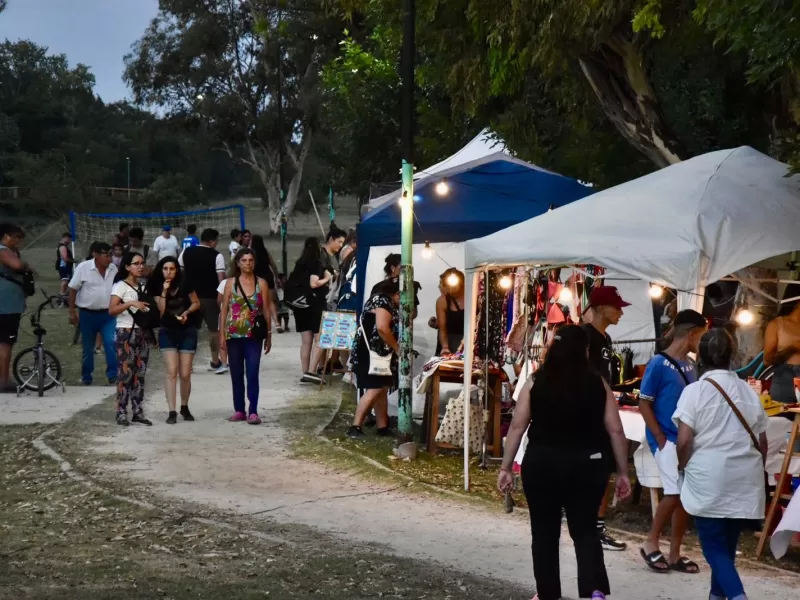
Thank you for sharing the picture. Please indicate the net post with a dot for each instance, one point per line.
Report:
(241, 217)
(73, 230)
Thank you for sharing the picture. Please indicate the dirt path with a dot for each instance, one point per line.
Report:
(246, 470)
(55, 406)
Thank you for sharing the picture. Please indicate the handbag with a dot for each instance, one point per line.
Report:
(28, 284)
(380, 366)
(149, 319)
(737, 412)
(259, 329)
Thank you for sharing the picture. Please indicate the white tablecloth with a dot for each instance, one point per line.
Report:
(789, 525)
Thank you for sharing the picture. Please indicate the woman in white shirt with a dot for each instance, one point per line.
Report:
(133, 349)
(723, 464)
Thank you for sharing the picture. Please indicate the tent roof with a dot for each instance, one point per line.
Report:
(684, 226)
(480, 146)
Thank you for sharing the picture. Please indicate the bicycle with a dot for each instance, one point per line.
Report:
(35, 368)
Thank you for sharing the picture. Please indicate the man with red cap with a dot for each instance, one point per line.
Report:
(606, 305)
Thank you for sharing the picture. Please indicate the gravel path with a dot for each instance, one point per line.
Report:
(246, 470)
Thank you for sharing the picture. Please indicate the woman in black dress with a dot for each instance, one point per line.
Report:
(450, 312)
(575, 439)
(379, 327)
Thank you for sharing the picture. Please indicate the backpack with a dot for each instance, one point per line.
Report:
(145, 320)
(297, 293)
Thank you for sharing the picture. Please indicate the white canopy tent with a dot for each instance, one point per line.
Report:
(684, 226)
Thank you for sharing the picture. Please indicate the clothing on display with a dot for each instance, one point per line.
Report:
(494, 348)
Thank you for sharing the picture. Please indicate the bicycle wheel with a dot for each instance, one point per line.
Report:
(40, 370)
(26, 369)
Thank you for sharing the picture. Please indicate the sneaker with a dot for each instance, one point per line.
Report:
(311, 378)
(122, 420)
(609, 543)
(214, 366)
(221, 369)
(254, 419)
(141, 420)
(172, 418)
(238, 416)
(187, 416)
(355, 432)
(384, 432)
(598, 595)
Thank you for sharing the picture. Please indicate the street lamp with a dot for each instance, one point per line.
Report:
(405, 445)
(128, 158)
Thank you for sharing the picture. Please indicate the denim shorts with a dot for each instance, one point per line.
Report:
(182, 340)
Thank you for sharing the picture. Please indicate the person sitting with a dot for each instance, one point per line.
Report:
(450, 312)
(782, 350)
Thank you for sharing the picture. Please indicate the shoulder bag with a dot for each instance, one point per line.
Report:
(677, 366)
(149, 319)
(737, 412)
(380, 366)
(259, 329)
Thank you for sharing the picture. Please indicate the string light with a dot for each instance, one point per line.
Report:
(404, 201)
(442, 188)
(505, 282)
(565, 296)
(427, 251)
(656, 291)
(745, 317)
(453, 280)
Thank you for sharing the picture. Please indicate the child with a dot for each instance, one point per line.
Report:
(283, 309)
(117, 251)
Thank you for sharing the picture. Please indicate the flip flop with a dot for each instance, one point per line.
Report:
(653, 559)
(684, 565)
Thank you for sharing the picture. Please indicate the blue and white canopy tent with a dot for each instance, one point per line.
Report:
(485, 195)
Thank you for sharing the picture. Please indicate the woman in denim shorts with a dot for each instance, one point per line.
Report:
(177, 337)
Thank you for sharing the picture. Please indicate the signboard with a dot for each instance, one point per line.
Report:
(337, 330)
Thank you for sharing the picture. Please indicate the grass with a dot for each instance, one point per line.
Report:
(64, 541)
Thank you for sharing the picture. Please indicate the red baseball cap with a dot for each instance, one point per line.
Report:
(607, 296)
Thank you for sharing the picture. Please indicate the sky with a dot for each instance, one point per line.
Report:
(97, 33)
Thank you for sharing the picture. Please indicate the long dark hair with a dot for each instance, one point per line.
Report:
(311, 253)
(126, 261)
(261, 254)
(243, 251)
(566, 366)
(155, 283)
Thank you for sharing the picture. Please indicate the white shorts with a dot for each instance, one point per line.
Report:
(667, 461)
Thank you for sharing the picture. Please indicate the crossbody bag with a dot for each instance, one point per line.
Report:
(738, 414)
(677, 366)
(259, 329)
(380, 366)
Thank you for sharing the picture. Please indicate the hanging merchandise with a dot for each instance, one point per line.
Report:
(495, 321)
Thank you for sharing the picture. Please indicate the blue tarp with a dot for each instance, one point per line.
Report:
(482, 200)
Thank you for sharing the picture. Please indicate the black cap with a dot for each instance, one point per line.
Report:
(690, 317)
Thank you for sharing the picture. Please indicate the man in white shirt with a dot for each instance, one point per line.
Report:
(166, 244)
(89, 296)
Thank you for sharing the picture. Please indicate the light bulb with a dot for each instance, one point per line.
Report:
(656, 291)
(404, 203)
(442, 188)
(505, 282)
(745, 317)
(565, 296)
(453, 280)
(427, 251)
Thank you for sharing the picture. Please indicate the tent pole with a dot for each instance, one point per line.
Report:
(469, 359)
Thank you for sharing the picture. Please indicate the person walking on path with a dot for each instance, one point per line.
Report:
(266, 269)
(89, 295)
(64, 263)
(133, 346)
(721, 448)
(204, 269)
(668, 373)
(12, 298)
(575, 439)
(191, 238)
(606, 305)
(246, 330)
(166, 244)
(177, 337)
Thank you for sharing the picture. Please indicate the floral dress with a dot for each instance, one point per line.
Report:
(239, 320)
(376, 343)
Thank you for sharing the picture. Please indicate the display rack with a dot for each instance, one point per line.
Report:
(785, 475)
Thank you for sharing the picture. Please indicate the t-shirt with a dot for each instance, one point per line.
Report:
(189, 241)
(12, 297)
(662, 385)
(201, 265)
(164, 247)
(176, 305)
(126, 293)
(601, 353)
(234, 248)
(221, 286)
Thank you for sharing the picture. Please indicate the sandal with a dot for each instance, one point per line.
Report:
(684, 565)
(655, 558)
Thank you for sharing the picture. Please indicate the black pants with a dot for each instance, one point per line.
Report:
(555, 478)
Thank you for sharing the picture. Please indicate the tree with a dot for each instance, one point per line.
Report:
(229, 61)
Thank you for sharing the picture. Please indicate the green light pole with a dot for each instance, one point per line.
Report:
(405, 444)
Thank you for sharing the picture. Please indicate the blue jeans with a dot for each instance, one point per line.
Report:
(719, 539)
(244, 359)
(90, 323)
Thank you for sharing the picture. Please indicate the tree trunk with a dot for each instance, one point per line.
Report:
(618, 77)
(293, 193)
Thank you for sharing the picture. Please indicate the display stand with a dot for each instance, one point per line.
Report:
(337, 331)
(777, 495)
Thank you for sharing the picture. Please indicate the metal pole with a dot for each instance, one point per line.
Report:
(128, 158)
(406, 446)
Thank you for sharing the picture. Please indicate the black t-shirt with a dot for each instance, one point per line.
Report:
(200, 270)
(601, 353)
(176, 306)
(301, 276)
